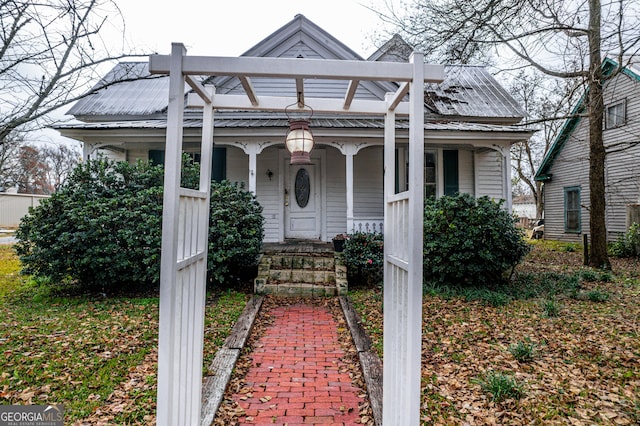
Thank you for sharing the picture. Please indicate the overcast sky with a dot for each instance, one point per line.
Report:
(231, 27)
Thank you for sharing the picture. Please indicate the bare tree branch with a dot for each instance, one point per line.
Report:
(51, 52)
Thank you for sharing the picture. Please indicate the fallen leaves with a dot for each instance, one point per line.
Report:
(586, 371)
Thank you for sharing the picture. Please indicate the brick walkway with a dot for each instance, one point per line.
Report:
(296, 375)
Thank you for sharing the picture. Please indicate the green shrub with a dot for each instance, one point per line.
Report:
(102, 229)
(588, 275)
(598, 296)
(551, 308)
(627, 244)
(235, 232)
(469, 241)
(364, 256)
(501, 386)
(524, 351)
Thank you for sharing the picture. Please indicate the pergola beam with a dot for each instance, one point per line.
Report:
(199, 89)
(278, 103)
(248, 89)
(395, 99)
(300, 92)
(296, 68)
(351, 92)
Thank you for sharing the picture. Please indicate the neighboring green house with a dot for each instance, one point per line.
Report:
(565, 168)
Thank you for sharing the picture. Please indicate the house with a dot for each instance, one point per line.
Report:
(565, 168)
(470, 127)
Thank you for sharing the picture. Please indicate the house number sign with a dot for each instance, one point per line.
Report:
(302, 187)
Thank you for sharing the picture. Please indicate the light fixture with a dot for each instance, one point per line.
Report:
(299, 140)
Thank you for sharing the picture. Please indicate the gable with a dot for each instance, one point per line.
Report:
(543, 174)
(301, 38)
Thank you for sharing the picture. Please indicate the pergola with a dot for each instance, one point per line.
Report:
(186, 215)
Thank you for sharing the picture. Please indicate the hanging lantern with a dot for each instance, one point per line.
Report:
(299, 142)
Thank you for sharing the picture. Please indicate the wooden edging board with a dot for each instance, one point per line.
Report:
(213, 387)
(369, 360)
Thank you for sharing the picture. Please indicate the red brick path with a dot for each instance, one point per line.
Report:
(296, 373)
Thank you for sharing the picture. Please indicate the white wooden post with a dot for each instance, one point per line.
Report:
(252, 151)
(403, 235)
(183, 269)
(349, 152)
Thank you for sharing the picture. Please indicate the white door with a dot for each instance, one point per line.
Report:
(302, 202)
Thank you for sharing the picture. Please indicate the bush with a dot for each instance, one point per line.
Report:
(102, 229)
(364, 256)
(235, 232)
(469, 242)
(501, 386)
(628, 244)
(524, 351)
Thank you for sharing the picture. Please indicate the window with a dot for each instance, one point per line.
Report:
(430, 176)
(572, 222)
(450, 170)
(441, 172)
(218, 164)
(615, 115)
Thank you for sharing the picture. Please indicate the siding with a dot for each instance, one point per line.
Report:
(622, 169)
(238, 166)
(368, 185)
(336, 196)
(466, 172)
(488, 172)
(268, 194)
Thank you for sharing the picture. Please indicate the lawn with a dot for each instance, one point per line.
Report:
(96, 356)
(563, 348)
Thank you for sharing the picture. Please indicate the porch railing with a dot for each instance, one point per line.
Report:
(366, 224)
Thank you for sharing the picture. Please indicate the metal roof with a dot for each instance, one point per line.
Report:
(470, 91)
(327, 123)
(137, 94)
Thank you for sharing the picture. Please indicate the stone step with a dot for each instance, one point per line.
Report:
(307, 275)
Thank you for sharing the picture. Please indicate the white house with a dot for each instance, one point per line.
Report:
(565, 168)
(470, 127)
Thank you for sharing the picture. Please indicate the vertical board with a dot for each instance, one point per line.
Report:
(183, 266)
(403, 267)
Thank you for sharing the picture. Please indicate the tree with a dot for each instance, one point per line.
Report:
(548, 104)
(49, 52)
(35, 169)
(558, 38)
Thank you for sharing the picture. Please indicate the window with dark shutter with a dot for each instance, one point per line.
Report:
(572, 221)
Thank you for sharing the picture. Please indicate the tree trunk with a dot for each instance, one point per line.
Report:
(597, 223)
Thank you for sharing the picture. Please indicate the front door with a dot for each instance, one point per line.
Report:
(302, 202)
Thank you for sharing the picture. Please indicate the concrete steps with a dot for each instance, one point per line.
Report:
(301, 274)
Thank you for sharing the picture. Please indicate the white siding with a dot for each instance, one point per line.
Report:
(489, 174)
(466, 172)
(622, 169)
(268, 194)
(237, 166)
(112, 155)
(336, 196)
(136, 154)
(368, 191)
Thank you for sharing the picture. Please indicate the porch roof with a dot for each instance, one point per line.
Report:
(316, 123)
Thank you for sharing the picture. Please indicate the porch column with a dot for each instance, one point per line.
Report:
(506, 155)
(253, 154)
(349, 152)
